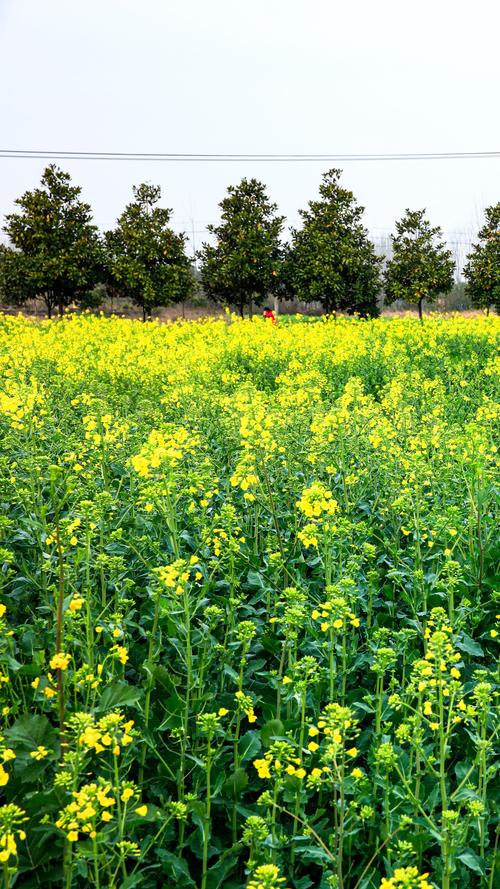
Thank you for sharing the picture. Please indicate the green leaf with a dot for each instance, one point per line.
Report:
(218, 873)
(231, 673)
(473, 862)
(173, 707)
(270, 730)
(362, 706)
(175, 868)
(469, 646)
(254, 579)
(132, 880)
(249, 746)
(236, 782)
(30, 732)
(198, 814)
(119, 694)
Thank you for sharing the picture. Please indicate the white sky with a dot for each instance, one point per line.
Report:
(294, 76)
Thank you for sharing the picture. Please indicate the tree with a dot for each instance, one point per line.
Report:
(243, 265)
(57, 255)
(331, 259)
(482, 271)
(14, 285)
(147, 260)
(421, 267)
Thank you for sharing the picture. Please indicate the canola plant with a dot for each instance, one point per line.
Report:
(249, 606)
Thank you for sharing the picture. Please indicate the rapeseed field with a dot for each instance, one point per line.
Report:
(249, 605)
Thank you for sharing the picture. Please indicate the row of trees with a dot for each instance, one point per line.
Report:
(57, 255)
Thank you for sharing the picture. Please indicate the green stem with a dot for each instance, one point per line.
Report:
(96, 864)
(280, 679)
(236, 756)
(68, 864)
(386, 812)
(88, 596)
(286, 572)
(494, 857)
(147, 702)
(189, 673)
(273, 821)
(298, 797)
(331, 653)
(59, 635)
(344, 665)
(206, 834)
(378, 714)
(340, 842)
(119, 807)
(101, 572)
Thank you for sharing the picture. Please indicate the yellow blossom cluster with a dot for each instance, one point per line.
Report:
(67, 532)
(164, 451)
(335, 614)
(104, 430)
(224, 542)
(92, 806)
(435, 678)
(244, 703)
(112, 732)
(279, 761)
(339, 728)
(406, 878)
(266, 876)
(22, 404)
(317, 501)
(6, 755)
(176, 576)
(60, 661)
(11, 820)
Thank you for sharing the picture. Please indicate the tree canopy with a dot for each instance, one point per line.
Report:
(421, 267)
(56, 254)
(482, 270)
(331, 259)
(147, 259)
(243, 266)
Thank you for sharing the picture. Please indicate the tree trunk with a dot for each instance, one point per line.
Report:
(250, 310)
(144, 315)
(420, 309)
(48, 303)
(330, 306)
(242, 309)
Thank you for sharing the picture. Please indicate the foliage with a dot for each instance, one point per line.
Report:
(147, 259)
(243, 266)
(249, 608)
(57, 256)
(421, 267)
(332, 260)
(482, 270)
(14, 288)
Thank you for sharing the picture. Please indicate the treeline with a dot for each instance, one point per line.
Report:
(57, 255)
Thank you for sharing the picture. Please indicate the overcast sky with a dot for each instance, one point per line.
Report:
(294, 76)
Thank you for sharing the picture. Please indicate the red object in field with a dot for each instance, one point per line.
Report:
(268, 313)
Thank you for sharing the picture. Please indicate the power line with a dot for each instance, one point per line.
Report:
(223, 158)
